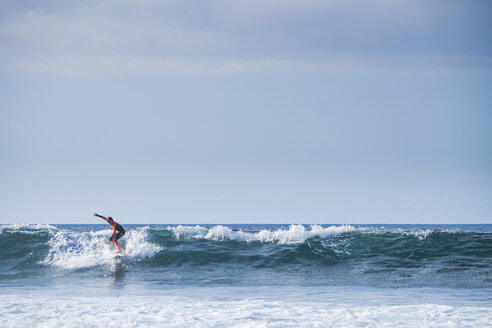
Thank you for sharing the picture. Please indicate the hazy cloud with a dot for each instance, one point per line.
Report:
(156, 37)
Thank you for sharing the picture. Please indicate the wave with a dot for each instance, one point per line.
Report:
(68, 249)
(71, 250)
(26, 228)
(334, 253)
(295, 234)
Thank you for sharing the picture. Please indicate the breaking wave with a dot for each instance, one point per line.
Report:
(295, 234)
(336, 254)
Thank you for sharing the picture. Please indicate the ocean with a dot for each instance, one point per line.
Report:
(252, 275)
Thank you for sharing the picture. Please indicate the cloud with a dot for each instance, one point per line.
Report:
(118, 65)
(216, 36)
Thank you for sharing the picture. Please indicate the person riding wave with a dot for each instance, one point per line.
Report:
(118, 230)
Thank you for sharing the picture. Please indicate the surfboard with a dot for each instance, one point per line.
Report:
(118, 253)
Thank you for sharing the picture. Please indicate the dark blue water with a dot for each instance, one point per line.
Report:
(250, 255)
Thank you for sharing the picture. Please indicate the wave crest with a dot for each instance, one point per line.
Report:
(75, 250)
(295, 234)
(25, 228)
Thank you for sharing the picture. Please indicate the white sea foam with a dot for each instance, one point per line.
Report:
(298, 233)
(27, 228)
(295, 234)
(137, 245)
(189, 231)
(420, 234)
(424, 233)
(73, 250)
(212, 307)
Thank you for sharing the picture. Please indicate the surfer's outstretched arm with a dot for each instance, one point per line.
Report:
(100, 216)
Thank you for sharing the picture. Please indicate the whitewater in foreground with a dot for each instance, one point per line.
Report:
(247, 276)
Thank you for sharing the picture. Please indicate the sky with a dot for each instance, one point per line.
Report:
(246, 111)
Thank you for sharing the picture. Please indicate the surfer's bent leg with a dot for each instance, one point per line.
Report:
(115, 238)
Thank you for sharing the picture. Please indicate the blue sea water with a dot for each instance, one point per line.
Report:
(266, 271)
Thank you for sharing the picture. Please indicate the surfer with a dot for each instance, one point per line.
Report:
(118, 230)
